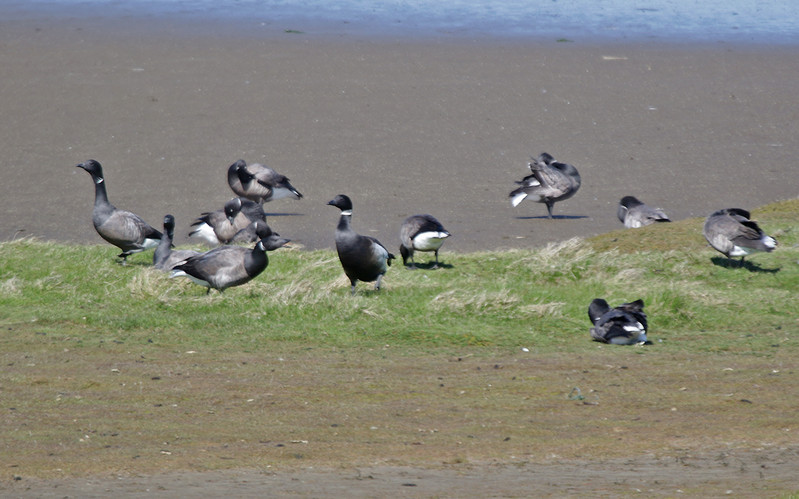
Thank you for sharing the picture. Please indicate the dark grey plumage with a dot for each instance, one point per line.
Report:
(259, 183)
(731, 232)
(549, 182)
(250, 234)
(622, 325)
(634, 214)
(362, 257)
(227, 266)
(164, 257)
(123, 229)
(221, 226)
(421, 233)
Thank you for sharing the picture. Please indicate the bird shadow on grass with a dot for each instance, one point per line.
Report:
(554, 217)
(429, 266)
(729, 263)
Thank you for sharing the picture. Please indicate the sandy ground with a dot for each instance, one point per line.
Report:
(440, 126)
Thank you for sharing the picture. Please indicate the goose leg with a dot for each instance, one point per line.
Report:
(549, 208)
(436, 264)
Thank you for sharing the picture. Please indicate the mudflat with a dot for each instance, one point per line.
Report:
(403, 126)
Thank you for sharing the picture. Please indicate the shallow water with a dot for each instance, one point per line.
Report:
(657, 20)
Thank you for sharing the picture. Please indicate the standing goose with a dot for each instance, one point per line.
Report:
(362, 257)
(732, 233)
(164, 257)
(220, 226)
(259, 183)
(623, 325)
(421, 233)
(549, 182)
(121, 228)
(228, 266)
(634, 214)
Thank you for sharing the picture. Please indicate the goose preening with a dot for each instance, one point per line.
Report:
(732, 233)
(227, 266)
(622, 325)
(362, 257)
(259, 183)
(549, 182)
(164, 257)
(221, 226)
(633, 213)
(249, 234)
(421, 233)
(121, 228)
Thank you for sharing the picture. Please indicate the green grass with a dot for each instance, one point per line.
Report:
(533, 298)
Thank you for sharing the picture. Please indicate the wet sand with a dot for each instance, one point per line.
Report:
(440, 125)
(437, 125)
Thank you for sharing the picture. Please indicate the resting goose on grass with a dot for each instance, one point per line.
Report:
(634, 214)
(121, 228)
(362, 257)
(164, 257)
(259, 183)
(732, 233)
(549, 182)
(623, 325)
(421, 233)
(221, 226)
(227, 266)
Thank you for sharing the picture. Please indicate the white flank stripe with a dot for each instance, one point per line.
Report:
(518, 198)
(205, 233)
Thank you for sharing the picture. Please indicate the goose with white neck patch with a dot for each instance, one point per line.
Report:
(363, 258)
(123, 229)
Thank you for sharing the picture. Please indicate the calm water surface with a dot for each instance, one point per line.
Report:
(658, 20)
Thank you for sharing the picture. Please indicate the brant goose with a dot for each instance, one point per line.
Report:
(732, 233)
(421, 233)
(221, 226)
(362, 257)
(623, 325)
(633, 213)
(259, 183)
(549, 182)
(121, 228)
(228, 266)
(164, 257)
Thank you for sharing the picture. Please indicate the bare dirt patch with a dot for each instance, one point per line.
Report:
(373, 423)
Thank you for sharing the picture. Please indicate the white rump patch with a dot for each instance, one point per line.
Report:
(769, 241)
(429, 241)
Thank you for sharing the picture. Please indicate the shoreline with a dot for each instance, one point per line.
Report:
(442, 126)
